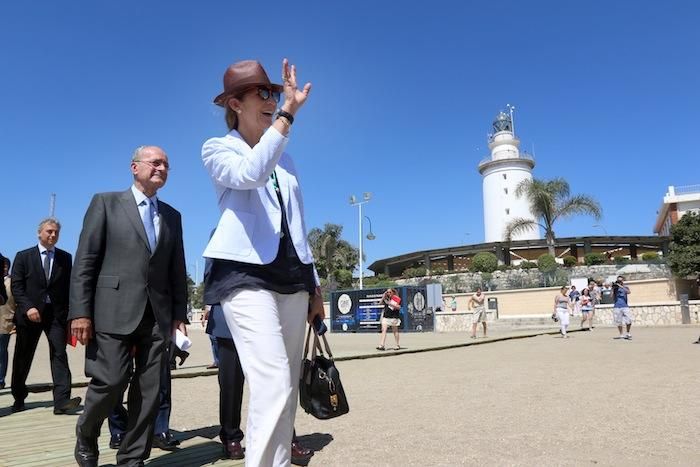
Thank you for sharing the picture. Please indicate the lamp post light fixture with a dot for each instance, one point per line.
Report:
(366, 196)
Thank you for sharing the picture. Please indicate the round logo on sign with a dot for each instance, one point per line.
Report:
(418, 301)
(344, 304)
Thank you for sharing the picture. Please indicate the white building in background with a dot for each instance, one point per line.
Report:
(502, 172)
(677, 202)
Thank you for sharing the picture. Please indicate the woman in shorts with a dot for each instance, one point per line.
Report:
(391, 316)
(586, 307)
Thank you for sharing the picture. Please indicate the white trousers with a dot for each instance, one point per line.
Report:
(268, 329)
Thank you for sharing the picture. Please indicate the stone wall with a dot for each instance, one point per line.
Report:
(644, 314)
(652, 314)
(466, 282)
(460, 321)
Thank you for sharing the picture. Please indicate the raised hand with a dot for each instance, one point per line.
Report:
(293, 97)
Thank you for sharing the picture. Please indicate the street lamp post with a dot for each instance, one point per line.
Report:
(366, 196)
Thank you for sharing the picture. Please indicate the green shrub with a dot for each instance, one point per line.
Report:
(380, 280)
(649, 256)
(528, 265)
(570, 261)
(409, 273)
(484, 262)
(486, 280)
(504, 267)
(546, 263)
(437, 272)
(621, 260)
(591, 259)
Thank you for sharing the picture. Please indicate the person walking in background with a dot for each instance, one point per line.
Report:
(263, 272)
(586, 308)
(594, 291)
(574, 296)
(453, 303)
(3, 293)
(230, 379)
(562, 304)
(118, 305)
(212, 339)
(606, 294)
(7, 313)
(40, 285)
(476, 303)
(621, 311)
(391, 316)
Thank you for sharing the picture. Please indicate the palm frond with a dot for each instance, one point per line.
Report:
(519, 225)
(579, 204)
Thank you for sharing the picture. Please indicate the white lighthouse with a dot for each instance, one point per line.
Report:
(502, 172)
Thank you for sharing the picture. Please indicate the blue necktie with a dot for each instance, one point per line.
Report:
(147, 218)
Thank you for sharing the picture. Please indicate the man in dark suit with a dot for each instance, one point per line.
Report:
(3, 292)
(128, 289)
(40, 285)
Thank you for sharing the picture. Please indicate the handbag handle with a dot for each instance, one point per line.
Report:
(316, 344)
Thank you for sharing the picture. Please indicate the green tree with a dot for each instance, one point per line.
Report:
(484, 262)
(195, 294)
(331, 253)
(547, 265)
(550, 200)
(684, 253)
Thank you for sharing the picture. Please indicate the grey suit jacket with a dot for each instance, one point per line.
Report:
(115, 274)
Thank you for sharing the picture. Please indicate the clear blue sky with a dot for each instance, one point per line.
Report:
(403, 95)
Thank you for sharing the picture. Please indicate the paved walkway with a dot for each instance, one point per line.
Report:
(525, 401)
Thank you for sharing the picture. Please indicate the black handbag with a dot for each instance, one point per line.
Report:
(321, 393)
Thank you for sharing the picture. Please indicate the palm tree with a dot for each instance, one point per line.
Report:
(549, 202)
(331, 253)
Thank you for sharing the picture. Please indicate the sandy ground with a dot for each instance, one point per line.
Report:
(538, 401)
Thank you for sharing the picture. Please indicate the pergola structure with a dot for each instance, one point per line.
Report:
(458, 258)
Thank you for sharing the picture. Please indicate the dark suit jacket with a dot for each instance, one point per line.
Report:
(115, 275)
(3, 292)
(30, 288)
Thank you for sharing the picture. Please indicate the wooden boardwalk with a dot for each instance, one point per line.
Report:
(37, 437)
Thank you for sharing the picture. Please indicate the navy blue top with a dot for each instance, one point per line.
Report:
(286, 274)
(216, 325)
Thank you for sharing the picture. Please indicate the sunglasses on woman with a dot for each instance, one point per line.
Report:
(266, 93)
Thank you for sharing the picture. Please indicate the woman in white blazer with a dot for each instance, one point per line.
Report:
(262, 270)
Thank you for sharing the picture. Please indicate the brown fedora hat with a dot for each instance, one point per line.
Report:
(242, 76)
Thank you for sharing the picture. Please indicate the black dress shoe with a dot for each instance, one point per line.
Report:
(67, 407)
(18, 406)
(233, 450)
(165, 441)
(116, 440)
(182, 355)
(2, 385)
(300, 454)
(86, 451)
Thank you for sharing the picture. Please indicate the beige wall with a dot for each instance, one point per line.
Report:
(541, 300)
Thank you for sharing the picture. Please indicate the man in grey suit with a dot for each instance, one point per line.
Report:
(128, 294)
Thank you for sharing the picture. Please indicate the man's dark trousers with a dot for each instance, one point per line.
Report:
(108, 362)
(27, 338)
(118, 419)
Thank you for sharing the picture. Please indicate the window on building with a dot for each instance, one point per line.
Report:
(505, 176)
(507, 211)
(505, 190)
